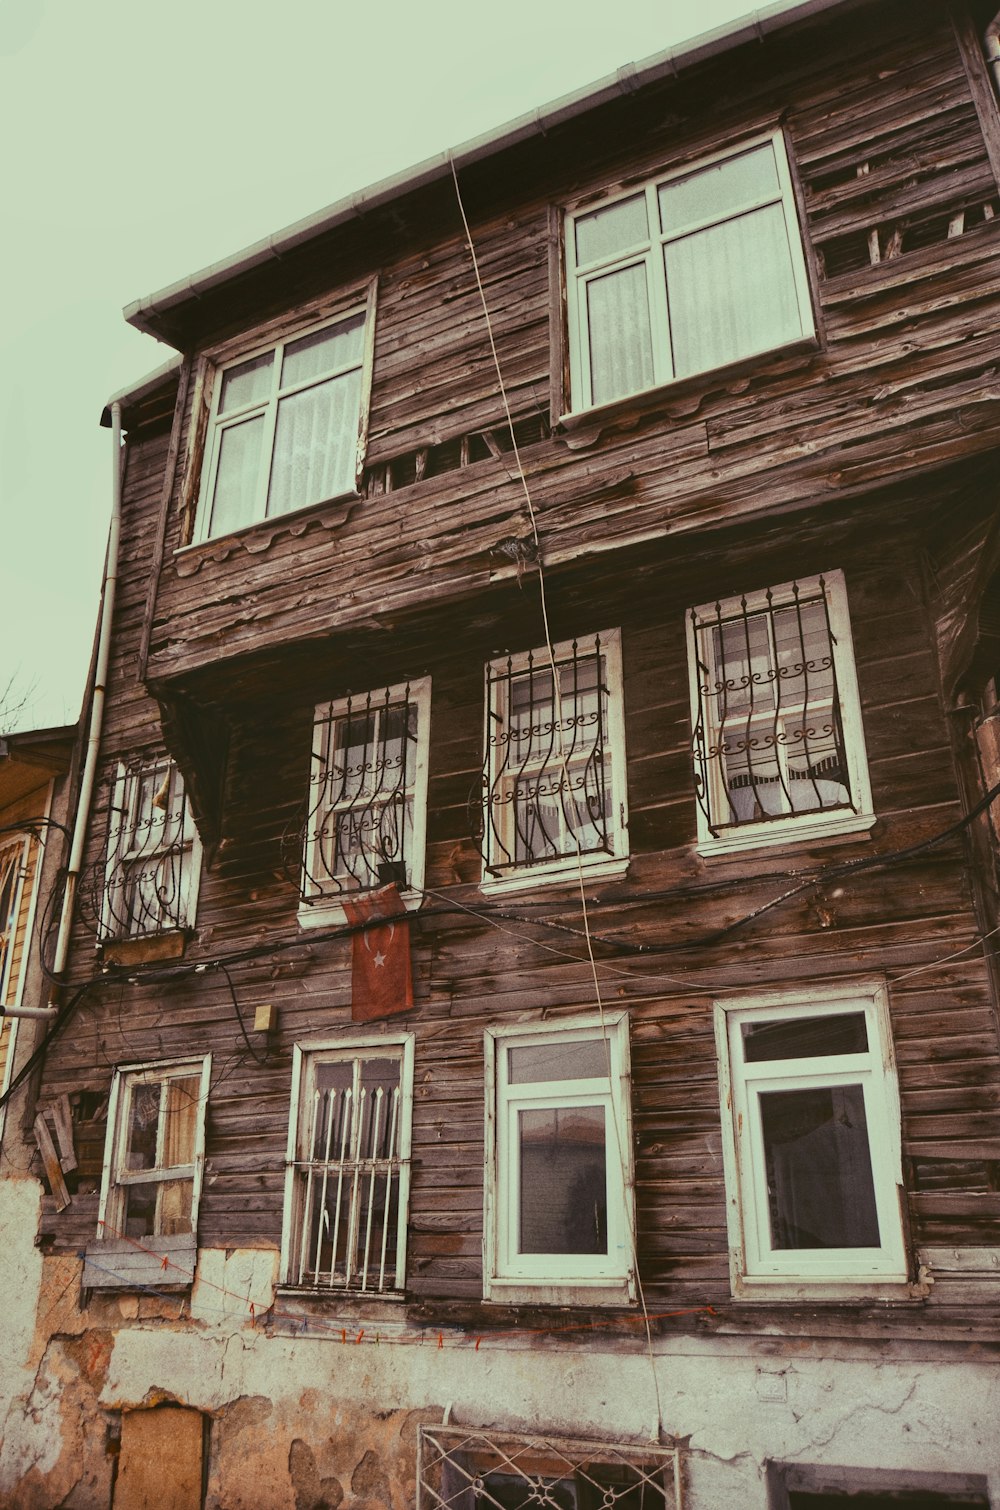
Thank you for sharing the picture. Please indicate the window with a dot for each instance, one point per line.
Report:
(559, 1151)
(153, 861)
(367, 797)
(463, 1468)
(807, 1486)
(778, 740)
(287, 424)
(13, 875)
(690, 272)
(812, 1133)
(554, 783)
(347, 1188)
(155, 1152)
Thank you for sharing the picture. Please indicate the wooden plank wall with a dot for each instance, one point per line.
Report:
(470, 970)
(892, 166)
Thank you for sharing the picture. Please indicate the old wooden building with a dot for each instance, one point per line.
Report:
(530, 1019)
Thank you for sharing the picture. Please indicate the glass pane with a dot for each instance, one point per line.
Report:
(324, 351)
(613, 229)
(564, 1202)
(820, 1189)
(528, 1491)
(805, 1037)
(143, 1124)
(247, 383)
(159, 1209)
(718, 192)
(577, 1059)
(183, 1098)
(731, 291)
(237, 476)
(315, 444)
(621, 347)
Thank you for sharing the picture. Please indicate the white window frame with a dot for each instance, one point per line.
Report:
(581, 1279)
(116, 1179)
(564, 867)
(759, 1271)
(649, 254)
(319, 910)
(267, 408)
(788, 828)
(346, 1050)
(123, 816)
(15, 850)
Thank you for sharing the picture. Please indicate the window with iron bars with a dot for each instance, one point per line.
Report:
(153, 858)
(778, 739)
(348, 1166)
(554, 781)
(465, 1469)
(367, 796)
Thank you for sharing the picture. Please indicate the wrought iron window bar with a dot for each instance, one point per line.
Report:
(350, 1186)
(768, 737)
(358, 832)
(145, 877)
(546, 782)
(466, 1469)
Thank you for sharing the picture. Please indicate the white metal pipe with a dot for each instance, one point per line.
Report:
(108, 593)
(991, 43)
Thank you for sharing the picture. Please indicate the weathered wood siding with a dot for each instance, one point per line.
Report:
(890, 157)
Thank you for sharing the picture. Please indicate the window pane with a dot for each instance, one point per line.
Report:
(819, 1172)
(720, 191)
(582, 1059)
(731, 291)
(621, 348)
(616, 228)
(324, 351)
(158, 1209)
(237, 476)
(143, 1125)
(315, 445)
(247, 383)
(805, 1037)
(564, 1203)
(183, 1097)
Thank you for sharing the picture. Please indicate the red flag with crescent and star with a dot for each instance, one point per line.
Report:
(381, 970)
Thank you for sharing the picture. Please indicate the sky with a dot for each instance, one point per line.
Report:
(143, 142)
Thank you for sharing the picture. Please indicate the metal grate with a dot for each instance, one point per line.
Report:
(462, 1469)
(359, 828)
(768, 736)
(147, 873)
(547, 781)
(348, 1211)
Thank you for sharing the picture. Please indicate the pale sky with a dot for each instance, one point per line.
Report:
(143, 142)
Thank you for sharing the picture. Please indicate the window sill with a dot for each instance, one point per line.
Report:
(583, 426)
(761, 1289)
(149, 948)
(328, 912)
(573, 1292)
(257, 537)
(785, 832)
(599, 868)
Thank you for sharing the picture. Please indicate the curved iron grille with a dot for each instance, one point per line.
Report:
(465, 1469)
(768, 736)
(547, 781)
(147, 877)
(359, 830)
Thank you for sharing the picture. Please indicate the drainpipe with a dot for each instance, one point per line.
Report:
(991, 43)
(96, 716)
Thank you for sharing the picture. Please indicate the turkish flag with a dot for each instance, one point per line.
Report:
(381, 971)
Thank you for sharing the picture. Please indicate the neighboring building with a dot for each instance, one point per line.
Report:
(464, 1192)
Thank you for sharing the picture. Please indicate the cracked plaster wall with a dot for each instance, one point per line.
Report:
(306, 1422)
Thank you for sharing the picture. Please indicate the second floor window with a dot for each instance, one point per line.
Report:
(554, 783)
(153, 859)
(286, 426)
(367, 793)
(687, 273)
(778, 741)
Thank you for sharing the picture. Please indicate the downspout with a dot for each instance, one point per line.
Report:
(991, 45)
(108, 592)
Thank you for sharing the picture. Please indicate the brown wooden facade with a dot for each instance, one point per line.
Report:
(871, 450)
